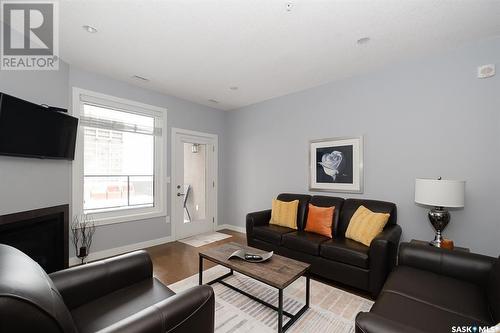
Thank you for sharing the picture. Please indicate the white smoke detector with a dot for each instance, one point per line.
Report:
(485, 71)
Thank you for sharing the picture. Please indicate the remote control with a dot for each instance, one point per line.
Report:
(252, 257)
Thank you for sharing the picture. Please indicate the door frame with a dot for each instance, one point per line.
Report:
(213, 165)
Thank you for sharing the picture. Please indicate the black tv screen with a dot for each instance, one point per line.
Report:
(31, 130)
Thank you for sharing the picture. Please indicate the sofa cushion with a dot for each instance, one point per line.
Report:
(25, 285)
(365, 225)
(304, 241)
(351, 205)
(271, 233)
(284, 213)
(302, 209)
(419, 315)
(457, 296)
(346, 251)
(105, 311)
(319, 220)
(326, 201)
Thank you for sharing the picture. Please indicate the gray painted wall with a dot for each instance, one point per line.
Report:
(27, 183)
(426, 118)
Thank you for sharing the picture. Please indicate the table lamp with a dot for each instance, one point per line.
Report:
(440, 194)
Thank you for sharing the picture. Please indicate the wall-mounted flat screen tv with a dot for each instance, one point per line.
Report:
(32, 130)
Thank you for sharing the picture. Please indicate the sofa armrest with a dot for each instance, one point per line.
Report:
(465, 266)
(367, 322)
(80, 284)
(257, 219)
(190, 311)
(383, 254)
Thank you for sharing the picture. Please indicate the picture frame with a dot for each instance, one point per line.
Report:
(336, 165)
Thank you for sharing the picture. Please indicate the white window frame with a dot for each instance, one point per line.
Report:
(80, 96)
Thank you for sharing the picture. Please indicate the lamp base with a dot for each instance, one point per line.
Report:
(437, 240)
(439, 218)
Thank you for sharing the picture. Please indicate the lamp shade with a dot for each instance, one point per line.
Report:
(440, 193)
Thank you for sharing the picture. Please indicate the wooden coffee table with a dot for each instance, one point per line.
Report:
(278, 272)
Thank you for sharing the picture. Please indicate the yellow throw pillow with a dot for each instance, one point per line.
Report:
(284, 213)
(365, 225)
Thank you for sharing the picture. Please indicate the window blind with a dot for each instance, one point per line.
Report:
(113, 120)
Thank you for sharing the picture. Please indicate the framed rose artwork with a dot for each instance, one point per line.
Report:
(336, 165)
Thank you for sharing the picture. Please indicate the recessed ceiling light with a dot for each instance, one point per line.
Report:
(233, 88)
(142, 78)
(213, 101)
(363, 41)
(90, 29)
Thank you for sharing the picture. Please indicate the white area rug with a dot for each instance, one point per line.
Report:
(204, 239)
(331, 309)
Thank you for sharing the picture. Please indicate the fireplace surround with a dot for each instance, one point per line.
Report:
(40, 233)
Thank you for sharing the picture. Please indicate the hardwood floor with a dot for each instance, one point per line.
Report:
(176, 261)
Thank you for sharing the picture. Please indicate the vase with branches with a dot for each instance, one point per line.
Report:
(82, 229)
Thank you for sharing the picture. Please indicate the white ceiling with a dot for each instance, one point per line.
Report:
(196, 50)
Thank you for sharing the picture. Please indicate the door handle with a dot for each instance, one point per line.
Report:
(180, 194)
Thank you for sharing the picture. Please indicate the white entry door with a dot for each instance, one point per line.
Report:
(194, 182)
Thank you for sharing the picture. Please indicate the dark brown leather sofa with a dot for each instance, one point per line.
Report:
(113, 295)
(337, 259)
(432, 290)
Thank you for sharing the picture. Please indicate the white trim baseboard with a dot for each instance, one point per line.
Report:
(231, 227)
(120, 250)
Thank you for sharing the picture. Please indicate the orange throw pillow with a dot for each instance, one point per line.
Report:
(319, 220)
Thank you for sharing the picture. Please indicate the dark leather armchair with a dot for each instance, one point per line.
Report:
(433, 290)
(339, 259)
(118, 294)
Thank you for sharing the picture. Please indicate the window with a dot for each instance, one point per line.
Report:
(118, 171)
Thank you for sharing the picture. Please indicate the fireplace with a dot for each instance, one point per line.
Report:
(41, 233)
